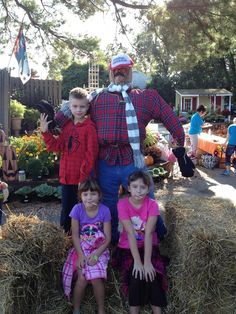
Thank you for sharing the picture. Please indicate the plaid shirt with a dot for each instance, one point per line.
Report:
(78, 146)
(108, 112)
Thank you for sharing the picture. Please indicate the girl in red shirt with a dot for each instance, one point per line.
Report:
(78, 146)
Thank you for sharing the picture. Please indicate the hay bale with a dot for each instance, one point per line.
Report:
(202, 247)
(32, 253)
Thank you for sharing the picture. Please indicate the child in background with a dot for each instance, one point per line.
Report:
(78, 146)
(91, 235)
(137, 255)
(231, 148)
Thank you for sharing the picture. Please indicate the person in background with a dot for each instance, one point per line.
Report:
(91, 235)
(137, 255)
(78, 146)
(195, 129)
(231, 148)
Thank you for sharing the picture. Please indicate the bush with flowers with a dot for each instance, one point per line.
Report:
(30, 148)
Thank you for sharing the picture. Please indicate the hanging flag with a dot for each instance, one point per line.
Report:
(21, 57)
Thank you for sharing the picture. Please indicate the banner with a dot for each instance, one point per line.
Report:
(21, 57)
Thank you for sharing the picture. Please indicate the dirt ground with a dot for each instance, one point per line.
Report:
(205, 183)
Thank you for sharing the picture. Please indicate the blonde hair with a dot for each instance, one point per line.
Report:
(78, 93)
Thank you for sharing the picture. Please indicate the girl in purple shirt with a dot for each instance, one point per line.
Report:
(91, 235)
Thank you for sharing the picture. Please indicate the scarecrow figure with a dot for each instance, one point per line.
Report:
(121, 115)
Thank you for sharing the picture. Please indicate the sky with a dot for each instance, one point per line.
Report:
(100, 25)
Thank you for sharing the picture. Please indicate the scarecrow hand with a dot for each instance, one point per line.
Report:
(185, 163)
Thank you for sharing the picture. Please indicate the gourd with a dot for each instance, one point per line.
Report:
(148, 160)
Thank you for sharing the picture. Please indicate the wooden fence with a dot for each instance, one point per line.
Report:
(28, 94)
(4, 99)
(35, 90)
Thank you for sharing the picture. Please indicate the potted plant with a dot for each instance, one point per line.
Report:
(17, 111)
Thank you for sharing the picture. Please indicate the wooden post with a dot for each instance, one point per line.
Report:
(5, 99)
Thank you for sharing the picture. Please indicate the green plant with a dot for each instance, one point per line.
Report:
(35, 168)
(45, 190)
(17, 110)
(31, 118)
(25, 190)
(151, 139)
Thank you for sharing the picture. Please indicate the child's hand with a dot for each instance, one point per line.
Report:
(92, 259)
(138, 270)
(80, 261)
(43, 122)
(149, 272)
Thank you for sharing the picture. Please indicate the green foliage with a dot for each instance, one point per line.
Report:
(31, 118)
(17, 110)
(45, 190)
(151, 139)
(35, 168)
(25, 190)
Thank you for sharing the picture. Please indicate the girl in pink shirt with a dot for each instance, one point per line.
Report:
(137, 255)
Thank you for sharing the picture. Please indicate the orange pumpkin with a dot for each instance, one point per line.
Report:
(148, 160)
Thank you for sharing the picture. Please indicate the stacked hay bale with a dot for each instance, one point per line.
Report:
(32, 253)
(202, 247)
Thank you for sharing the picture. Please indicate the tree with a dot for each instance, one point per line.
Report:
(43, 20)
(195, 33)
(77, 75)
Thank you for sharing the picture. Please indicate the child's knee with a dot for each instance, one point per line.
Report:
(82, 279)
(95, 282)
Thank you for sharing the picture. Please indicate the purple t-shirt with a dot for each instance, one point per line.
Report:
(88, 226)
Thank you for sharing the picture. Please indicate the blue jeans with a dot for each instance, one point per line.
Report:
(69, 198)
(230, 149)
(110, 178)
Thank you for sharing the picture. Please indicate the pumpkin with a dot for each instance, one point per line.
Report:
(148, 160)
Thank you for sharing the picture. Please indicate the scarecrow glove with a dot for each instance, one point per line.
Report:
(45, 107)
(185, 163)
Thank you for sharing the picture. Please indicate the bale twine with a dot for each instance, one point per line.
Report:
(202, 246)
(32, 253)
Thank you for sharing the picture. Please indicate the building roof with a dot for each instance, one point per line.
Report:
(204, 92)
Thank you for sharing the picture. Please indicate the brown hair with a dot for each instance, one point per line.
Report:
(78, 93)
(140, 175)
(201, 108)
(89, 185)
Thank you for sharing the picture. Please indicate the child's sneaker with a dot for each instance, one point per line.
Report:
(226, 173)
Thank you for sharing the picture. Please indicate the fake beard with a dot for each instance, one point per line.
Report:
(129, 77)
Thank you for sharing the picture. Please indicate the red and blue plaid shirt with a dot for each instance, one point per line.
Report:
(108, 112)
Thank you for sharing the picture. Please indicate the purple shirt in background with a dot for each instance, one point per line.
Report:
(88, 226)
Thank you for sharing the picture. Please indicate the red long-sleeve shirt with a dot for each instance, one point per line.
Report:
(78, 146)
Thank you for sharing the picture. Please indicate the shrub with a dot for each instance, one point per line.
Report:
(17, 110)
